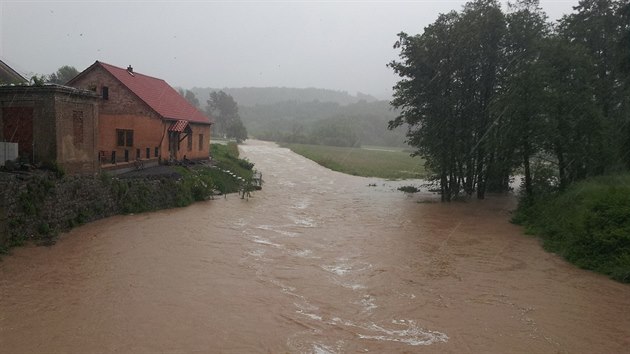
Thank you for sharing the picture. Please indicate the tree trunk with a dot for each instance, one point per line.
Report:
(562, 175)
(528, 175)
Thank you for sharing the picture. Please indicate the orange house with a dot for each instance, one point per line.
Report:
(142, 117)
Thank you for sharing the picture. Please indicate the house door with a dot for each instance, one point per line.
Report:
(18, 128)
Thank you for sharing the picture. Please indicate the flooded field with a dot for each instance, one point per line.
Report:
(316, 262)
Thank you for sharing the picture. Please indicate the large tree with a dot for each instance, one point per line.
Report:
(190, 97)
(518, 103)
(597, 26)
(227, 120)
(485, 93)
(573, 125)
(450, 76)
(63, 75)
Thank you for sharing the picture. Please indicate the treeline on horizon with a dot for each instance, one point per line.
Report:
(252, 96)
(314, 116)
(324, 123)
(488, 93)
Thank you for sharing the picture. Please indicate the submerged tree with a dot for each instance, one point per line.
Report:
(486, 93)
(450, 77)
(597, 28)
(518, 102)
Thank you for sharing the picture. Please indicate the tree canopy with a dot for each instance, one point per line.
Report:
(63, 75)
(487, 92)
(190, 96)
(227, 119)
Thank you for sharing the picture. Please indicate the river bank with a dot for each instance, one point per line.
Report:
(36, 206)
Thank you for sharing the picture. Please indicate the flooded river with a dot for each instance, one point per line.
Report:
(316, 262)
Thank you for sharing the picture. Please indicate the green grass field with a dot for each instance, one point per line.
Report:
(383, 162)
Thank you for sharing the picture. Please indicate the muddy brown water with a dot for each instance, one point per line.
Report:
(316, 262)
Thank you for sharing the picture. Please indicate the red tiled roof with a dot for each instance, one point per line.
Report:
(159, 95)
(178, 126)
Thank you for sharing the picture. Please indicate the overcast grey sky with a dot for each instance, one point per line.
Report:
(341, 45)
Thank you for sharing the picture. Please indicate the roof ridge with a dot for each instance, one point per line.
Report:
(157, 94)
(135, 73)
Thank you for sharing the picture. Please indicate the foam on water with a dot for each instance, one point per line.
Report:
(240, 222)
(368, 303)
(285, 288)
(302, 221)
(340, 269)
(350, 285)
(302, 204)
(306, 306)
(404, 331)
(264, 241)
(343, 267)
(322, 349)
(302, 253)
(278, 231)
(310, 315)
(258, 253)
(411, 335)
(286, 183)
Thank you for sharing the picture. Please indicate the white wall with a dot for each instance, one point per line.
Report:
(8, 151)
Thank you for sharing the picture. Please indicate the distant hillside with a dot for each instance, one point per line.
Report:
(325, 123)
(251, 96)
(312, 116)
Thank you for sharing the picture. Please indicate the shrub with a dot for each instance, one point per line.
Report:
(408, 189)
(588, 224)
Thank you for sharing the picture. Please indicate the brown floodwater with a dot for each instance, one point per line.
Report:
(316, 262)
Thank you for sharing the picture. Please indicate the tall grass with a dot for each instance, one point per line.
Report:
(588, 224)
(363, 162)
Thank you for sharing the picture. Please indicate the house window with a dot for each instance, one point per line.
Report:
(126, 155)
(124, 137)
(156, 152)
(148, 153)
(200, 142)
(190, 142)
(105, 92)
(138, 154)
(77, 127)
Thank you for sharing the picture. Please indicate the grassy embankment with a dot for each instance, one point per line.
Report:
(197, 182)
(588, 224)
(388, 163)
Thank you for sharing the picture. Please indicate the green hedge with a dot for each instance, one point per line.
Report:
(588, 224)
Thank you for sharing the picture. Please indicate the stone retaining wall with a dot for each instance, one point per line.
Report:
(37, 206)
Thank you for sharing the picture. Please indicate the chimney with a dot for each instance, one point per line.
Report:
(130, 69)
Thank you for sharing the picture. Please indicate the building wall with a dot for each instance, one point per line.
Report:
(121, 101)
(197, 152)
(77, 134)
(147, 133)
(17, 125)
(52, 136)
(123, 110)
